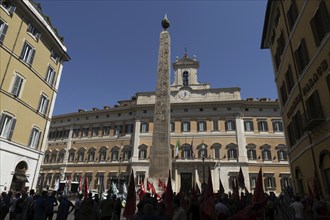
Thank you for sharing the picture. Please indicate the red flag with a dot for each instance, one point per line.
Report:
(130, 206)
(169, 194)
(240, 178)
(208, 206)
(142, 190)
(160, 184)
(149, 186)
(153, 190)
(86, 188)
(258, 195)
(80, 185)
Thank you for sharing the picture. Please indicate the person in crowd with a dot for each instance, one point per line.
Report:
(179, 213)
(88, 212)
(51, 202)
(40, 206)
(106, 208)
(13, 201)
(77, 205)
(298, 208)
(116, 209)
(64, 208)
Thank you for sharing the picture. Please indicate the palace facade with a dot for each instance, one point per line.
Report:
(209, 128)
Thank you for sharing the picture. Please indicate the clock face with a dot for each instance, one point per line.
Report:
(184, 94)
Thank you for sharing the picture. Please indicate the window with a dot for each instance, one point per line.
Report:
(291, 136)
(282, 155)
(129, 128)
(54, 56)
(215, 125)
(172, 127)
(232, 179)
(292, 14)
(85, 132)
(277, 126)
(75, 133)
(9, 6)
(61, 156)
(314, 108)
(17, 85)
(43, 104)
(301, 55)
(118, 129)
(253, 180)
(263, 126)
(320, 23)
(185, 78)
(285, 181)
(248, 125)
(91, 155)
(143, 154)
(71, 157)
(7, 126)
(81, 155)
(46, 158)
(144, 127)
(266, 154)
(95, 131)
(53, 157)
(270, 182)
(289, 79)
(28, 53)
(106, 130)
(216, 147)
(202, 126)
(230, 125)
(115, 155)
(232, 154)
(34, 138)
(103, 154)
(3, 30)
(127, 154)
(202, 152)
(297, 125)
(50, 75)
(33, 31)
(185, 126)
(252, 154)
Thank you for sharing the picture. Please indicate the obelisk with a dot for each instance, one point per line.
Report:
(160, 160)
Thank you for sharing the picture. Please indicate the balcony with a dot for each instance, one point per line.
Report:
(312, 122)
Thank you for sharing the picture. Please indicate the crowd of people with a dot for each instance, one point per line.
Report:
(184, 206)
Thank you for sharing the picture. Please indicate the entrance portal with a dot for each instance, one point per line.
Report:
(186, 182)
(19, 177)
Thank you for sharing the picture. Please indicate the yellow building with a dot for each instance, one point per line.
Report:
(210, 127)
(32, 56)
(298, 36)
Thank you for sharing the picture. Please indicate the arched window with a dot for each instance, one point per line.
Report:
(266, 153)
(91, 154)
(72, 152)
(232, 151)
(115, 154)
(251, 152)
(202, 151)
(53, 156)
(61, 156)
(186, 152)
(81, 154)
(143, 152)
(185, 78)
(127, 153)
(103, 153)
(216, 147)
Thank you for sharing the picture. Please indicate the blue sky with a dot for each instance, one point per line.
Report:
(114, 47)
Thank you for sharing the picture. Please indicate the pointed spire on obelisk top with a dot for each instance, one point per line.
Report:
(165, 23)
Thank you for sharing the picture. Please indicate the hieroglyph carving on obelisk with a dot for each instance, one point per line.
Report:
(160, 160)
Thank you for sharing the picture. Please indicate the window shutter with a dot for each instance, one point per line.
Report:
(52, 77)
(266, 126)
(3, 33)
(265, 182)
(45, 106)
(31, 137)
(226, 125)
(12, 128)
(2, 119)
(37, 139)
(12, 9)
(14, 90)
(32, 56)
(254, 154)
(259, 126)
(38, 35)
(39, 106)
